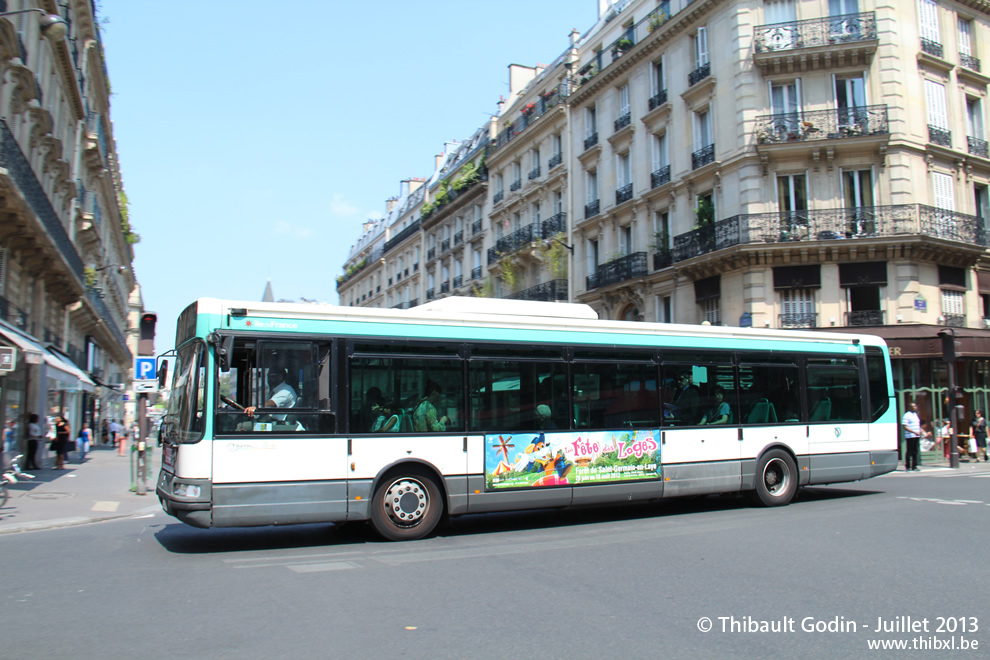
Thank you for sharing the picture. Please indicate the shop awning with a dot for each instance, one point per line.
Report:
(33, 352)
(911, 341)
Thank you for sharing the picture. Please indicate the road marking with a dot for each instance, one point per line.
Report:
(970, 501)
(952, 503)
(110, 507)
(328, 566)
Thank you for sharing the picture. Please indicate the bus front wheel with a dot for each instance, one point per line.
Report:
(776, 479)
(406, 507)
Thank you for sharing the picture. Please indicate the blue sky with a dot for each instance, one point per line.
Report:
(254, 140)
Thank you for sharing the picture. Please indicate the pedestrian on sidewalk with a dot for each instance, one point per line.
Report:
(83, 442)
(978, 431)
(121, 440)
(105, 432)
(61, 442)
(913, 433)
(34, 436)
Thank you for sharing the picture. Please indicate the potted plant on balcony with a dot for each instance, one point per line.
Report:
(705, 221)
(621, 46)
(655, 20)
(661, 246)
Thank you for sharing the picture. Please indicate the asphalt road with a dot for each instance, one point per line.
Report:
(629, 582)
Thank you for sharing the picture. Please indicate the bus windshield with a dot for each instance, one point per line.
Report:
(184, 420)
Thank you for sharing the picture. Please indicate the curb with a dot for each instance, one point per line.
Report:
(73, 521)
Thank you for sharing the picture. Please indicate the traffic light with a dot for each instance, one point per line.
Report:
(146, 335)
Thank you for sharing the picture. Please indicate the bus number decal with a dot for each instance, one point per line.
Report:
(527, 460)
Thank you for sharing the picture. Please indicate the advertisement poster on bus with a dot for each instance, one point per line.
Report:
(533, 460)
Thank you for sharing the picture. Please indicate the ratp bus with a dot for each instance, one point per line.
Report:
(468, 405)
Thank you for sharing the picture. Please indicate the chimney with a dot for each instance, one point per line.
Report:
(391, 202)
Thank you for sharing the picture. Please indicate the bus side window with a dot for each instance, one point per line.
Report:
(833, 390)
(769, 393)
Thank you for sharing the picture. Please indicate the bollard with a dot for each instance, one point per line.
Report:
(142, 485)
(133, 471)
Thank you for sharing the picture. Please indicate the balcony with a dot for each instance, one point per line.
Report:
(806, 320)
(932, 47)
(533, 111)
(660, 177)
(591, 209)
(413, 302)
(515, 185)
(822, 125)
(815, 32)
(555, 160)
(977, 147)
(702, 157)
(865, 317)
(476, 227)
(534, 173)
(431, 254)
(590, 141)
(969, 62)
(519, 238)
(430, 293)
(554, 225)
(622, 122)
(657, 100)
(476, 273)
(699, 74)
(939, 136)
(619, 270)
(866, 222)
(458, 281)
(402, 235)
(662, 259)
(459, 237)
(445, 287)
(552, 291)
(623, 194)
(498, 196)
(954, 320)
(444, 245)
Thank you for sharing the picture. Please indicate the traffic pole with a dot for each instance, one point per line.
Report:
(142, 486)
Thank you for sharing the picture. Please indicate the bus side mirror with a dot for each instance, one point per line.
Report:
(163, 375)
(224, 352)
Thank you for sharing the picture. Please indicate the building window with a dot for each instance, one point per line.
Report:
(938, 114)
(863, 282)
(953, 312)
(712, 312)
(797, 308)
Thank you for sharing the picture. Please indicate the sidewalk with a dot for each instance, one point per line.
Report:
(99, 489)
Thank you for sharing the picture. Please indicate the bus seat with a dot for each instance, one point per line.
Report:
(822, 411)
(405, 422)
(762, 413)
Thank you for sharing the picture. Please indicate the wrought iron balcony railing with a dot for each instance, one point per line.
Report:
(829, 31)
(444, 245)
(515, 185)
(413, 302)
(430, 293)
(431, 253)
(822, 124)
(662, 259)
(702, 157)
(590, 141)
(931, 47)
(402, 235)
(534, 173)
(939, 136)
(977, 147)
(445, 287)
(699, 74)
(954, 320)
(476, 227)
(624, 194)
(552, 291)
(660, 177)
(476, 273)
(591, 209)
(554, 225)
(865, 317)
(458, 281)
(459, 237)
(622, 122)
(532, 112)
(555, 160)
(865, 222)
(803, 320)
(619, 270)
(658, 99)
(969, 62)
(498, 196)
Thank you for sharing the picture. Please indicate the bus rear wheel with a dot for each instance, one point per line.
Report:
(776, 479)
(406, 507)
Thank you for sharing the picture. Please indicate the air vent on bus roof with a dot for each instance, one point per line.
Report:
(504, 307)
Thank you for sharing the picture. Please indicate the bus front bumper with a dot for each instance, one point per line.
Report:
(189, 500)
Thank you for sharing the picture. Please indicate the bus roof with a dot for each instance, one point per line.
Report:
(485, 312)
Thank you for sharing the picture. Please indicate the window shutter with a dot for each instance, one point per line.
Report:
(938, 115)
(942, 187)
(701, 45)
(928, 13)
(624, 100)
(965, 44)
(863, 274)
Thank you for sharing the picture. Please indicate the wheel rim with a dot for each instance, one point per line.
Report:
(776, 477)
(406, 502)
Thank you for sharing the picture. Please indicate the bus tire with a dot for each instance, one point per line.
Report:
(776, 479)
(406, 506)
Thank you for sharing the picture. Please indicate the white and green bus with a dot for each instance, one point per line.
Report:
(284, 413)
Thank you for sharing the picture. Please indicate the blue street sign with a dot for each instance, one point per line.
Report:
(145, 368)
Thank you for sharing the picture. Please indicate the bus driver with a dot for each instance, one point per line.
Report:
(282, 394)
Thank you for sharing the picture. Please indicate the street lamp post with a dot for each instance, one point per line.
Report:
(53, 27)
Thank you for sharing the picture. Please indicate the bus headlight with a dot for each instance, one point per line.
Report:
(186, 490)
